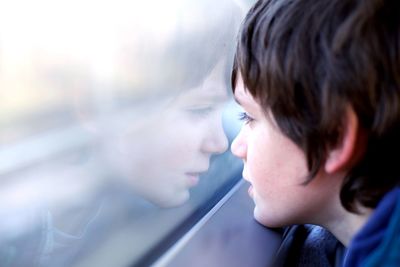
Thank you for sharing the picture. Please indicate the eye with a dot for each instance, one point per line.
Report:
(200, 112)
(243, 116)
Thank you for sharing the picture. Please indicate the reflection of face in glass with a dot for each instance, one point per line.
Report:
(165, 157)
(157, 111)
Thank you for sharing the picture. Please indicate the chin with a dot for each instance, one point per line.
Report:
(265, 218)
(171, 200)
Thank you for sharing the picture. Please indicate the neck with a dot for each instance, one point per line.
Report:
(346, 224)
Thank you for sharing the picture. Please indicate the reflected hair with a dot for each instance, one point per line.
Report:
(305, 61)
(204, 35)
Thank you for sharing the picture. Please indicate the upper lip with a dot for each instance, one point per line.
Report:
(244, 174)
(196, 173)
(199, 170)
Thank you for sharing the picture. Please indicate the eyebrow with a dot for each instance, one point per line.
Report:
(215, 98)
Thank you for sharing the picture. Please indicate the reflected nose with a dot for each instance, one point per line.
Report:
(216, 141)
(238, 146)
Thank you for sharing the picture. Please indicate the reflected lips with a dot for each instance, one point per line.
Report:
(193, 178)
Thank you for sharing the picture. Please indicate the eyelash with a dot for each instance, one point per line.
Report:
(200, 112)
(243, 116)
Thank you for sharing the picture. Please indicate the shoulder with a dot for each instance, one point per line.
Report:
(378, 242)
(309, 245)
(387, 251)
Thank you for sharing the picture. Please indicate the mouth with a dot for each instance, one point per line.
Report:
(250, 191)
(193, 178)
(244, 175)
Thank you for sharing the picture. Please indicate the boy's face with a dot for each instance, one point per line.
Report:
(179, 147)
(162, 159)
(276, 168)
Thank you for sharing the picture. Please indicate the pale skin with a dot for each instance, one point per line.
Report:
(177, 142)
(277, 168)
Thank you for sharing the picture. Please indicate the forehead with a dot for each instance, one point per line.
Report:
(202, 95)
(241, 95)
(216, 92)
(212, 89)
(245, 99)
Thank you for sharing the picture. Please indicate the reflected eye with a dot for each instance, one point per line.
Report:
(200, 112)
(243, 116)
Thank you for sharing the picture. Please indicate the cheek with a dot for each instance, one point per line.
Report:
(274, 160)
(277, 168)
(178, 143)
(262, 160)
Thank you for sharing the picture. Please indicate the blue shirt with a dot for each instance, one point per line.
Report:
(378, 242)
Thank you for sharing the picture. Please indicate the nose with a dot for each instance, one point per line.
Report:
(239, 146)
(215, 141)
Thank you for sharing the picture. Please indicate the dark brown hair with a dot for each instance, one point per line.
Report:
(306, 61)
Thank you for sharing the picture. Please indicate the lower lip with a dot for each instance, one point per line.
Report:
(193, 179)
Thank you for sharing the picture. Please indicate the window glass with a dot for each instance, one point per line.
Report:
(115, 123)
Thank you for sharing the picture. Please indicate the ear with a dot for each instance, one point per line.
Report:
(349, 148)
